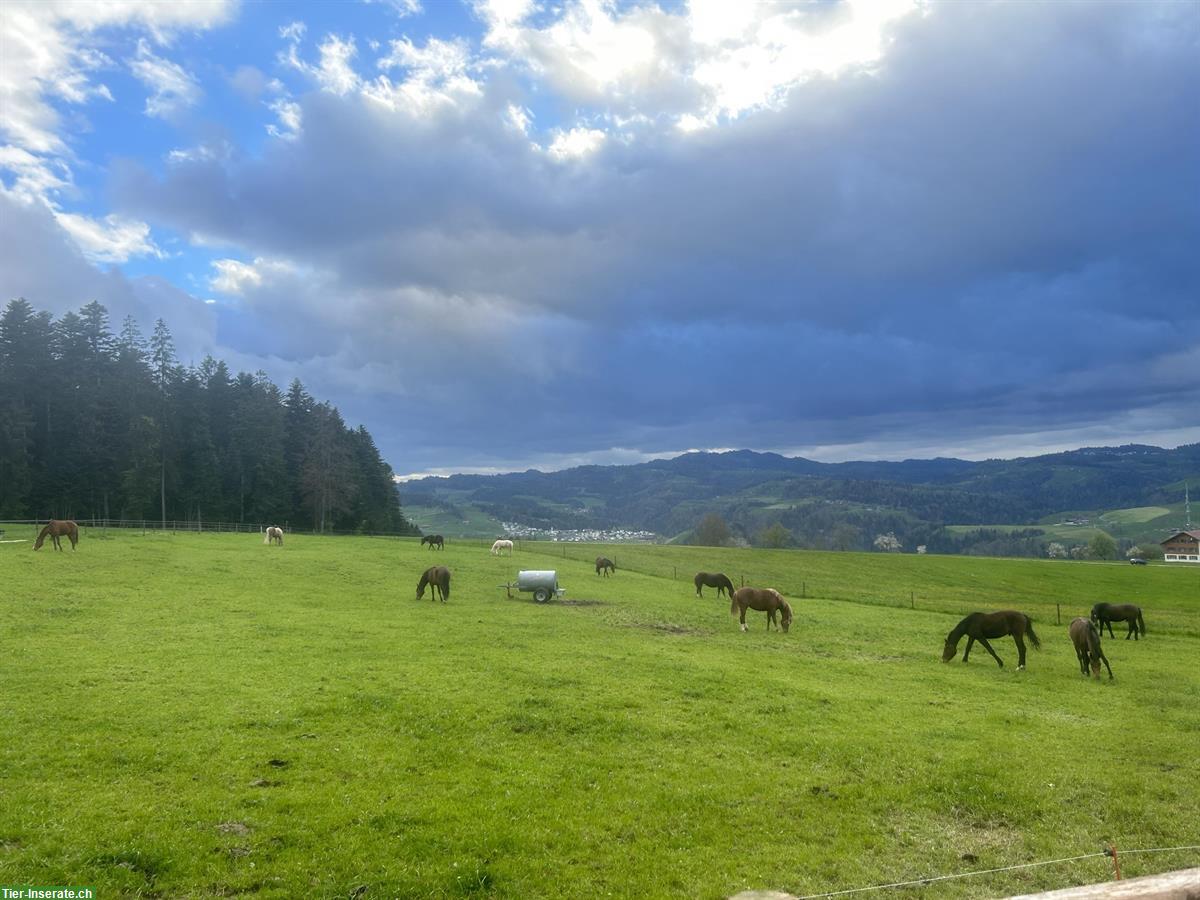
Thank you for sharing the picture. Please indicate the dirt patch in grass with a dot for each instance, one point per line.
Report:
(665, 627)
(582, 603)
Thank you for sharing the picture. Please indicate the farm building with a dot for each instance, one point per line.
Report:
(1183, 546)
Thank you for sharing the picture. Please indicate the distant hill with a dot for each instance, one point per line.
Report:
(828, 505)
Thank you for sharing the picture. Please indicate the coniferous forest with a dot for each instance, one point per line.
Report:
(97, 425)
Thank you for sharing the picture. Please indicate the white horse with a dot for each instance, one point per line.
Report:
(274, 534)
(501, 545)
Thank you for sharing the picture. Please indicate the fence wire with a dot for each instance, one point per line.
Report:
(934, 878)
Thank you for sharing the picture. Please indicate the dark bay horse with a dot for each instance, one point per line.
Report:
(981, 626)
(719, 580)
(766, 600)
(434, 540)
(58, 528)
(438, 577)
(1107, 613)
(1086, 639)
(605, 565)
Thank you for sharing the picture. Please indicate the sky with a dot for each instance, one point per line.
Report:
(505, 234)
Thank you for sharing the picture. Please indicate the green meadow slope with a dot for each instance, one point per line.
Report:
(203, 716)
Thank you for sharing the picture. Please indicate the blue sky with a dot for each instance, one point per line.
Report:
(508, 233)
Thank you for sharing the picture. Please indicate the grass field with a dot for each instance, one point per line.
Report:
(201, 715)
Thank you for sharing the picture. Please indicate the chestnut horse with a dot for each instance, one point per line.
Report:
(766, 600)
(58, 528)
(719, 580)
(1106, 613)
(434, 540)
(439, 578)
(605, 565)
(981, 626)
(1086, 639)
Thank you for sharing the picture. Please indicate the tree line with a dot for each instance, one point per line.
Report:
(101, 425)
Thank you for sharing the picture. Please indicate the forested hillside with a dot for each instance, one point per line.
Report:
(101, 425)
(841, 506)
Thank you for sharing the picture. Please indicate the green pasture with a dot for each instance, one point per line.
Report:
(199, 715)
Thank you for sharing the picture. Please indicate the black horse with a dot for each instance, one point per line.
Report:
(1107, 613)
(605, 565)
(981, 626)
(434, 540)
(1086, 639)
(719, 580)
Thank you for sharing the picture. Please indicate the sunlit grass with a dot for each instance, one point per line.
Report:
(201, 715)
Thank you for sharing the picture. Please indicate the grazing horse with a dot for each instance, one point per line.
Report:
(274, 535)
(58, 528)
(719, 580)
(764, 600)
(500, 546)
(605, 565)
(1106, 613)
(434, 540)
(1086, 639)
(438, 577)
(981, 626)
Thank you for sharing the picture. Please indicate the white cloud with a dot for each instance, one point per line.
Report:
(237, 278)
(113, 239)
(45, 56)
(172, 87)
(576, 143)
(334, 72)
(290, 119)
(402, 8)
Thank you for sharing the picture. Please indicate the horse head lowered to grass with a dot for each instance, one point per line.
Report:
(766, 600)
(980, 626)
(439, 578)
(718, 580)
(58, 528)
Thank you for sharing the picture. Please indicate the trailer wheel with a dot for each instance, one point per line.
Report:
(541, 595)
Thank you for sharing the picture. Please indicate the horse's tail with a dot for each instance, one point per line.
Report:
(1033, 638)
(1141, 622)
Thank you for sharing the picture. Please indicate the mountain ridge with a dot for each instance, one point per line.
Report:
(751, 489)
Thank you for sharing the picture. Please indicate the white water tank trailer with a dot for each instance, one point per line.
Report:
(542, 583)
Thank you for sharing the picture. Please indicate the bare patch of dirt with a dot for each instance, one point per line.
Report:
(666, 627)
(582, 603)
(233, 828)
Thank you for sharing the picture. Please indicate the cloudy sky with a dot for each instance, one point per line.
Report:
(512, 233)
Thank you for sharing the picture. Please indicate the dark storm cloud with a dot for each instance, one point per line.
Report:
(993, 232)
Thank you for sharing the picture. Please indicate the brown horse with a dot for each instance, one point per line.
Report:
(1106, 613)
(439, 578)
(434, 540)
(766, 600)
(719, 580)
(605, 565)
(981, 626)
(1086, 639)
(58, 528)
